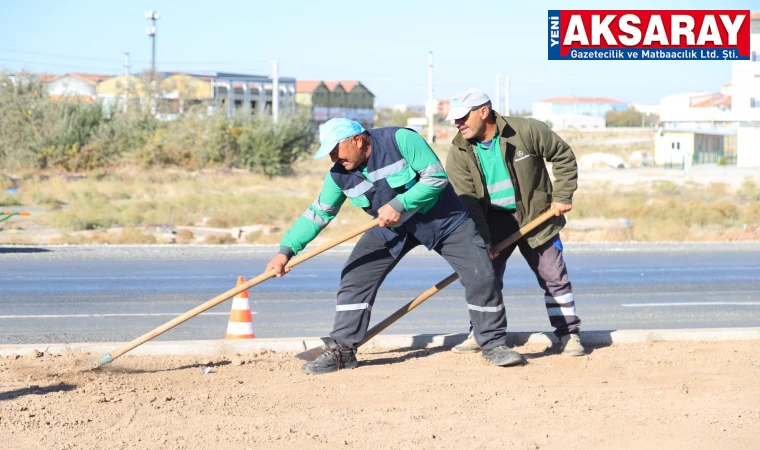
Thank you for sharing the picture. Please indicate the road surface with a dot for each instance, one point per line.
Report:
(59, 294)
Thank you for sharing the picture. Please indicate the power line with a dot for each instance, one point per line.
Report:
(185, 63)
(59, 65)
(189, 65)
(86, 58)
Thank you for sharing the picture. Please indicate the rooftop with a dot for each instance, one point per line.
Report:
(580, 100)
(91, 78)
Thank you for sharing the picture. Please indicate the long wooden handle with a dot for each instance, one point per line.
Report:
(105, 359)
(401, 312)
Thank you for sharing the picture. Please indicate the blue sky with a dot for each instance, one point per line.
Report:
(383, 44)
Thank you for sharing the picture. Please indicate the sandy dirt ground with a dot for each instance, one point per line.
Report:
(702, 395)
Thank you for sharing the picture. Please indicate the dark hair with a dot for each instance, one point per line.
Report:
(488, 103)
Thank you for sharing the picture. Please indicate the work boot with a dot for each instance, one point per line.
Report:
(468, 346)
(503, 356)
(332, 359)
(571, 345)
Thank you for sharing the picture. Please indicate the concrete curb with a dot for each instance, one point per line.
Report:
(295, 345)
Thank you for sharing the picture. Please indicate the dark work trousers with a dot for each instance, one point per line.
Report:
(546, 262)
(371, 261)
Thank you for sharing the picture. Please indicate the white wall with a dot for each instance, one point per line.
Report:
(70, 86)
(574, 121)
(748, 147)
(745, 80)
(674, 148)
(541, 110)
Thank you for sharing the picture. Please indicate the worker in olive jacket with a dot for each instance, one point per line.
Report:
(496, 166)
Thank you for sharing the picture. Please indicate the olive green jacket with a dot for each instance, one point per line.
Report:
(525, 143)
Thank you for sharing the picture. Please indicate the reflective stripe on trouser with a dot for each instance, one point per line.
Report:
(547, 264)
(371, 261)
(465, 250)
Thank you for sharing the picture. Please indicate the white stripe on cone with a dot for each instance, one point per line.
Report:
(239, 328)
(240, 303)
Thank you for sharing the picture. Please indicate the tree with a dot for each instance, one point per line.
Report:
(630, 118)
(521, 113)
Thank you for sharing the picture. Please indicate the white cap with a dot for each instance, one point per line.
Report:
(463, 102)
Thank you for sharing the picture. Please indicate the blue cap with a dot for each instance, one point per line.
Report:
(332, 132)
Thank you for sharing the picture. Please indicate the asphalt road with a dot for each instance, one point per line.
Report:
(116, 293)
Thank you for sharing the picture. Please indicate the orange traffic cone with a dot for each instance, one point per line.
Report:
(240, 325)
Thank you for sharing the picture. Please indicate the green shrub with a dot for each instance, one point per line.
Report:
(7, 199)
(749, 190)
(39, 133)
(270, 148)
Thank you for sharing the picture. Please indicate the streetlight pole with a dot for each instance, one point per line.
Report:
(431, 103)
(126, 81)
(275, 91)
(151, 31)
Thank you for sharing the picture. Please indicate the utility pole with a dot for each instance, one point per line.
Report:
(151, 31)
(126, 81)
(275, 91)
(506, 98)
(431, 107)
(498, 106)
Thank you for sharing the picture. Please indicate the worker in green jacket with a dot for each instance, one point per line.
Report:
(393, 175)
(496, 166)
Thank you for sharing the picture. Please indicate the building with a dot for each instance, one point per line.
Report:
(74, 86)
(715, 127)
(313, 93)
(342, 98)
(576, 112)
(177, 91)
(441, 107)
(114, 92)
(256, 92)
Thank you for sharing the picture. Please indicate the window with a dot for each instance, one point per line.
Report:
(754, 103)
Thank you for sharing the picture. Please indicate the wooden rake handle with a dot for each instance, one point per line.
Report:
(401, 312)
(107, 358)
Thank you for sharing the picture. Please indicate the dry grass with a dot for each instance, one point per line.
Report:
(617, 142)
(127, 235)
(129, 198)
(124, 205)
(665, 211)
(7, 199)
(185, 236)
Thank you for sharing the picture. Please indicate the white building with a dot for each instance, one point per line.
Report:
(724, 127)
(74, 86)
(257, 92)
(576, 112)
